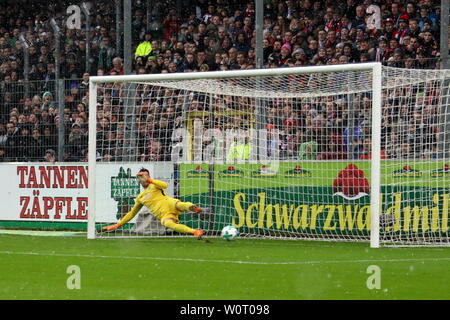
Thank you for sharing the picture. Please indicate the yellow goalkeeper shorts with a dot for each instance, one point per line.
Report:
(172, 216)
(169, 210)
(166, 206)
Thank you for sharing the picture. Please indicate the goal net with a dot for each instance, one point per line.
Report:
(338, 153)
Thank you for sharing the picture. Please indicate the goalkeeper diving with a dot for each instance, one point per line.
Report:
(163, 207)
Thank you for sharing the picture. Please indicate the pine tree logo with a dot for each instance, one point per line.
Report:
(297, 172)
(231, 171)
(351, 184)
(264, 171)
(198, 172)
(124, 189)
(444, 172)
(407, 172)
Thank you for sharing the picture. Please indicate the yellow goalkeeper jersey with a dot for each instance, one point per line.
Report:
(155, 199)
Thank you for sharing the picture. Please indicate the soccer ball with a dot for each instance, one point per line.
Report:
(229, 233)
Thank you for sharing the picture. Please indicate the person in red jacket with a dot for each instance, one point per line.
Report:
(118, 68)
(171, 25)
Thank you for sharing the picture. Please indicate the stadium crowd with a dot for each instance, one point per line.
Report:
(210, 36)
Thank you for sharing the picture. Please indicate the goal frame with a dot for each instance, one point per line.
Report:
(374, 67)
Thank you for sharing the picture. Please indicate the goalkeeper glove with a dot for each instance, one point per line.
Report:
(112, 227)
(144, 177)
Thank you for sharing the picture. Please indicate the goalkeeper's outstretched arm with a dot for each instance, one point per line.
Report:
(130, 215)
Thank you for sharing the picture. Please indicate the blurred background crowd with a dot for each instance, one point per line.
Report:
(210, 35)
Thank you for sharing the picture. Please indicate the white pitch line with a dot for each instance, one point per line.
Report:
(223, 261)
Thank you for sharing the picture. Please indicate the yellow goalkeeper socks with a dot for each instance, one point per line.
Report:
(177, 227)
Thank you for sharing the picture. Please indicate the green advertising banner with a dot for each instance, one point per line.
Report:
(326, 198)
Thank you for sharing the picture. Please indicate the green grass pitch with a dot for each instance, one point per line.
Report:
(35, 267)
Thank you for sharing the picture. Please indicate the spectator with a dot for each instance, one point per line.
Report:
(241, 44)
(50, 156)
(118, 68)
(24, 141)
(106, 53)
(36, 144)
(144, 49)
(153, 152)
(49, 139)
(163, 134)
(76, 143)
(239, 150)
(12, 142)
(366, 151)
(47, 101)
(172, 25)
(317, 132)
(189, 64)
(109, 147)
(334, 150)
(3, 134)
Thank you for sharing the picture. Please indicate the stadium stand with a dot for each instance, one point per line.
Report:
(211, 36)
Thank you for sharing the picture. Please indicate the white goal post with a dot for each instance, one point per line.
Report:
(327, 153)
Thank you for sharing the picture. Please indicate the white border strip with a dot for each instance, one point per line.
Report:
(306, 262)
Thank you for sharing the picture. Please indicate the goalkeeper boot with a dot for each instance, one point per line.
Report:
(199, 234)
(195, 209)
(200, 213)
